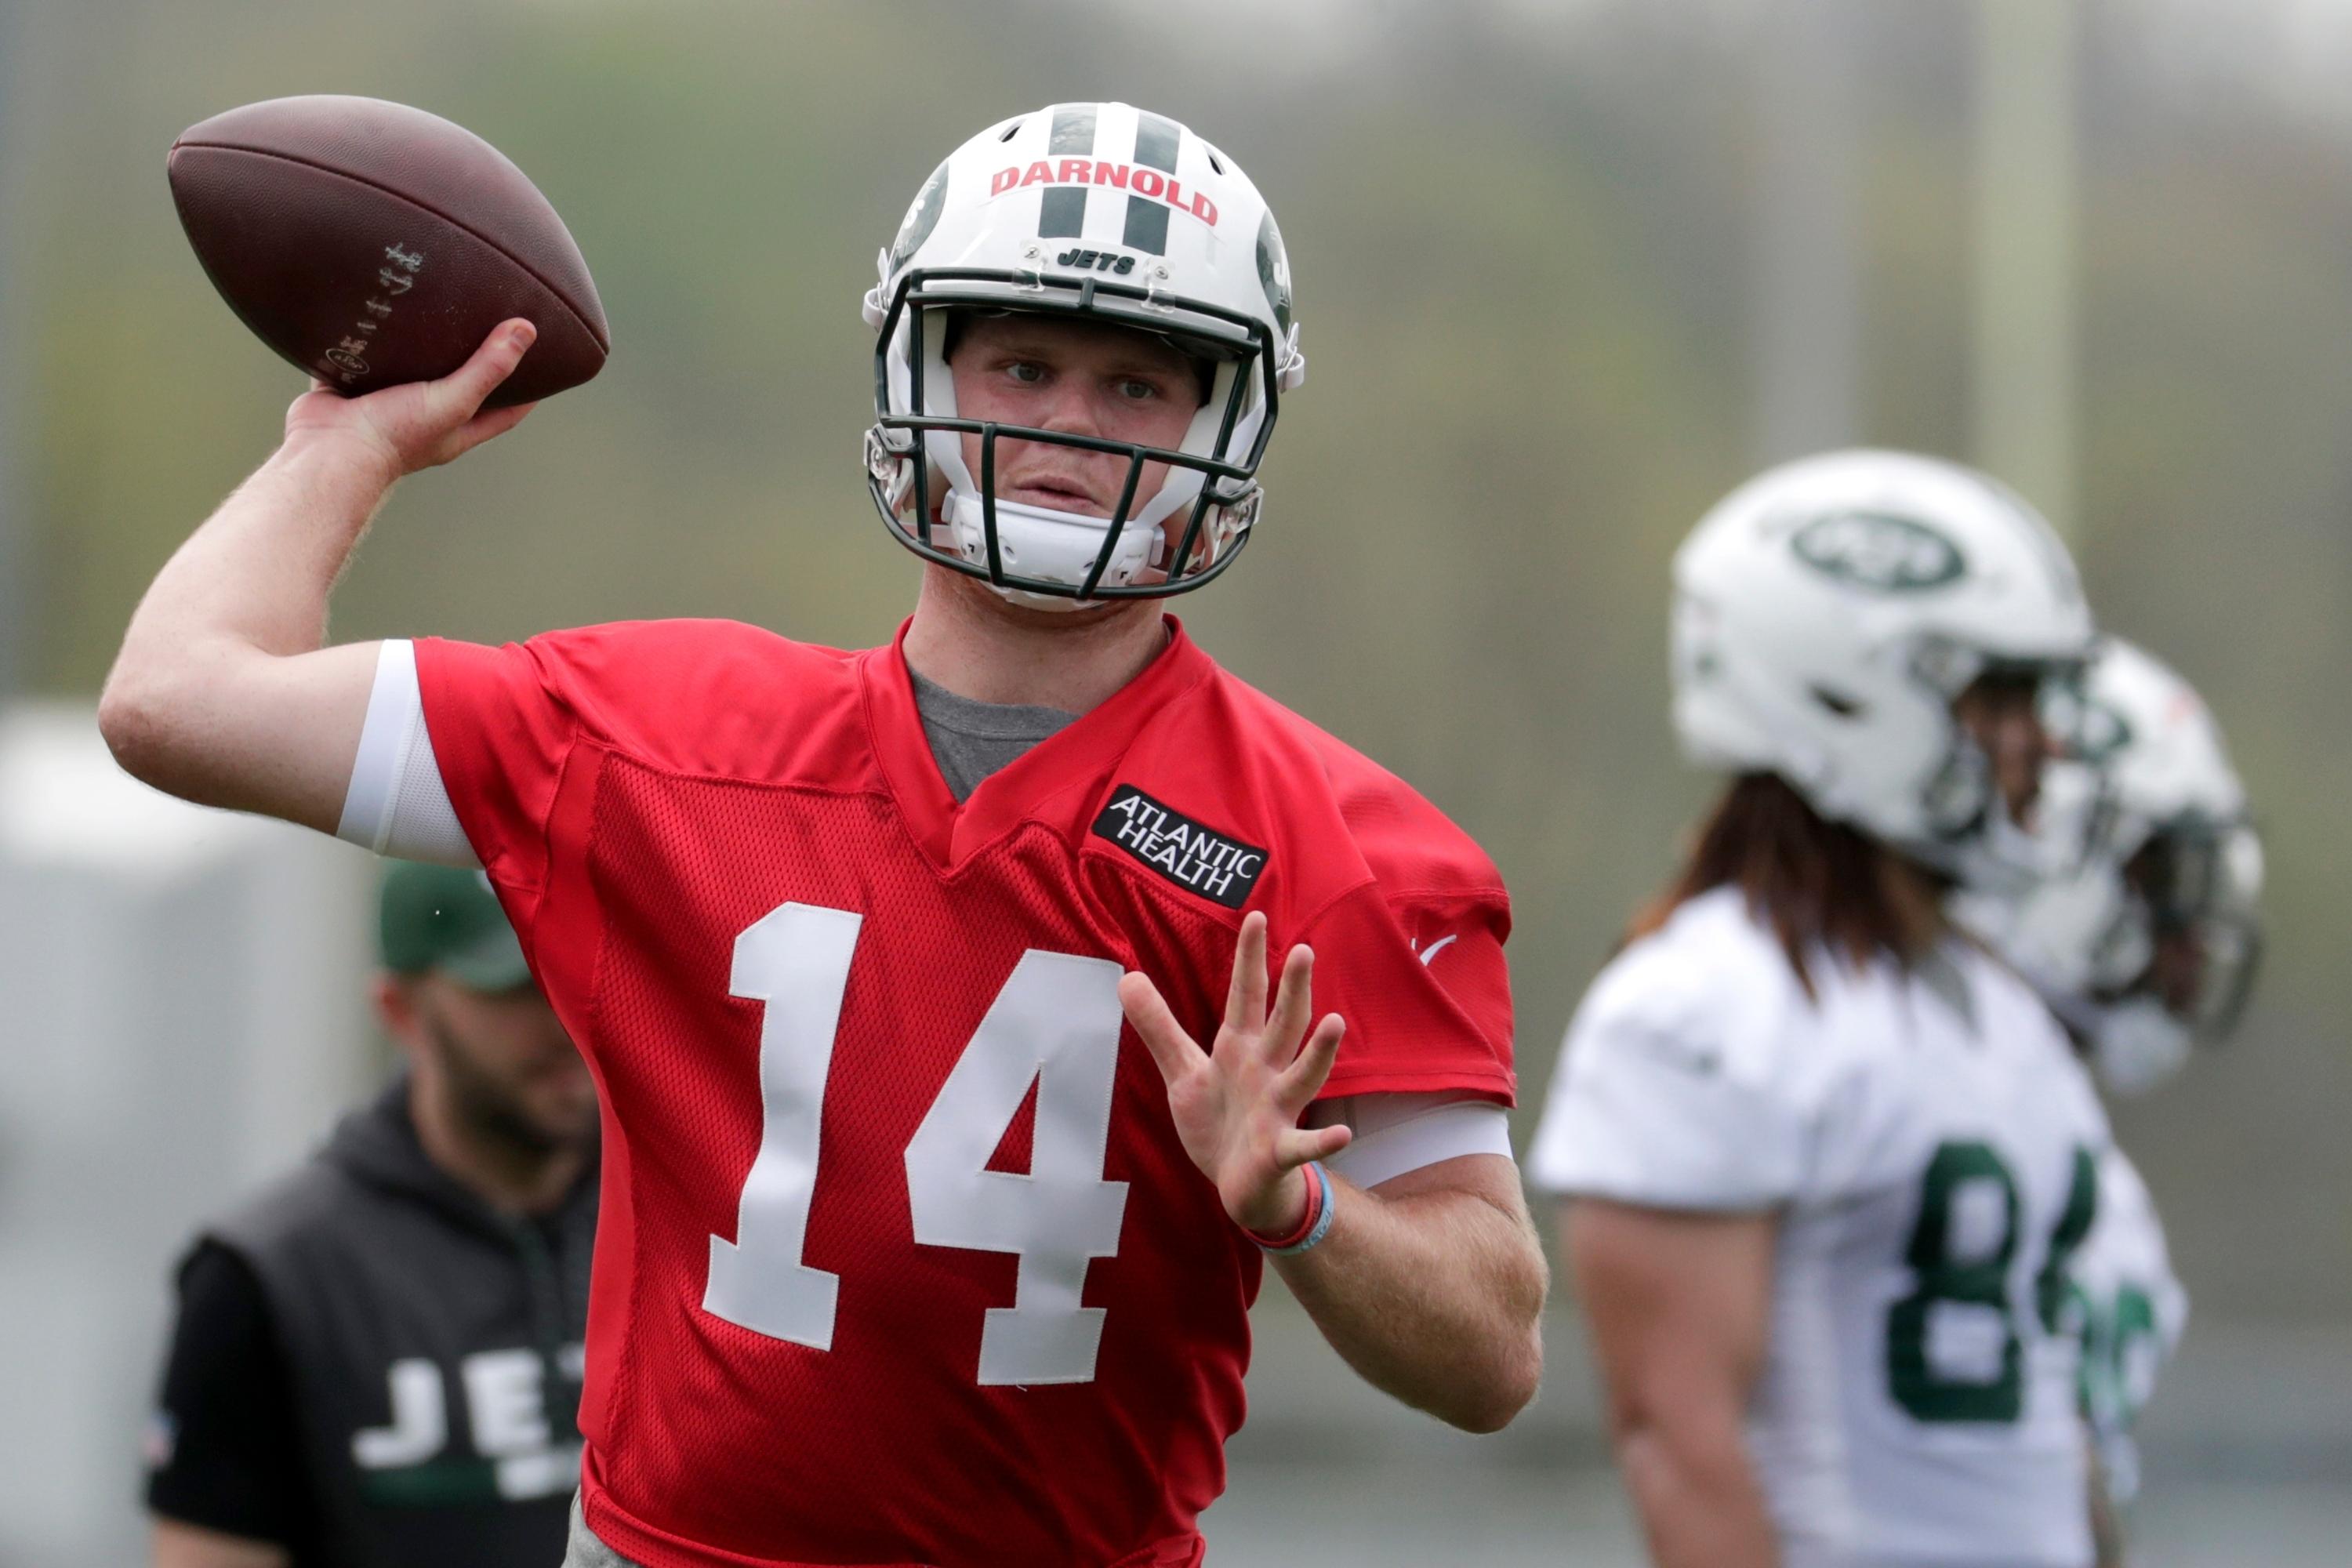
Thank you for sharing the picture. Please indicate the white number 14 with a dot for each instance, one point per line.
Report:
(1055, 1023)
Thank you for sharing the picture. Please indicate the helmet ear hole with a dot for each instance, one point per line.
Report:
(1836, 703)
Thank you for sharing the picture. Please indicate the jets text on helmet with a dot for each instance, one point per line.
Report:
(1100, 260)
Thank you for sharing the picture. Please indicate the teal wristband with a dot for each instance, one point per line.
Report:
(1326, 1209)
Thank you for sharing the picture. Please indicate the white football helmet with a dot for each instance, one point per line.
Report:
(2173, 860)
(1112, 213)
(1827, 614)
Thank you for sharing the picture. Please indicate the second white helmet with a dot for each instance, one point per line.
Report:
(1828, 613)
(2151, 943)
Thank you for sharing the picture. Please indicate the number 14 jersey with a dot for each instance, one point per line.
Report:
(1929, 1144)
(901, 1261)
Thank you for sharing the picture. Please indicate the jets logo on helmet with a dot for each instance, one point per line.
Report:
(1111, 214)
(1273, 271)
(1828, 611)
(1879, 551)
(922, 218)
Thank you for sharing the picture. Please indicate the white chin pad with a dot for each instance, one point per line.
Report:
(2137, 1045)
(1047, 545)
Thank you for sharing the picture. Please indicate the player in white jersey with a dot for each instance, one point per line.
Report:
(2146, 946)
(1825, 1159)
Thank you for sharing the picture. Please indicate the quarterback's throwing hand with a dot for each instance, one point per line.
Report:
(1236, 1105)
(423, 424)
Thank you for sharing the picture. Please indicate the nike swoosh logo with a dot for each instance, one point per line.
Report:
(1674, 1052)
(1440, 945)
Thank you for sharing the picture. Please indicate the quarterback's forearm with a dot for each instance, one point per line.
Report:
(1432, 1291)
(194, 704)
(259, 569)
(222, 692)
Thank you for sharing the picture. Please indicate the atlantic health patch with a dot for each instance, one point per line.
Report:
(1198, 859)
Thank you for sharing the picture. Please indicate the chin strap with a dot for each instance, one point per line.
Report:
(1290, 371)
(874, 308)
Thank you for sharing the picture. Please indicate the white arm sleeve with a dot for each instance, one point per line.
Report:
(1400, 1132)
(397, 805)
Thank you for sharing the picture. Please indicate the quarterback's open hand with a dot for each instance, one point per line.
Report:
(423, 424)
(1237, 1104)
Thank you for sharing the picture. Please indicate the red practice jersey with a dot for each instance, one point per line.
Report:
(902, 1260)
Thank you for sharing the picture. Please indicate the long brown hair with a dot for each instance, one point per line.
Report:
(1821, 885)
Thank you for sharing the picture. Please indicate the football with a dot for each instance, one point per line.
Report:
(372, 244)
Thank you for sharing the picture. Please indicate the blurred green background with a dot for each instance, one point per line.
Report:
(1524, 240)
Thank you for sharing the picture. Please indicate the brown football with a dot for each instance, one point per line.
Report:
(372, 244)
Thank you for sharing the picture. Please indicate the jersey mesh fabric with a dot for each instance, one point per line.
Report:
(1140, 1445)
(644, 794)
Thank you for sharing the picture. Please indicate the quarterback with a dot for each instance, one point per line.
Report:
(954, 1002)
(1826, 1160)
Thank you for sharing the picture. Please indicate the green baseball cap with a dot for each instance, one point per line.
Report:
(444, 919)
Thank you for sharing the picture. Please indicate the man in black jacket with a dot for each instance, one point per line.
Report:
(377, 1360)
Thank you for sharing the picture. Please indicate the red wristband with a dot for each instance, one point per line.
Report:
(1306, 1225)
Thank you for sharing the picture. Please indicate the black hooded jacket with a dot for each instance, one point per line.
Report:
(373, 1367)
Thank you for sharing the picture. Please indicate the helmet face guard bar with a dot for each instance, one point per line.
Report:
(1136, 308)
(2189, 883)
(2222, 1001)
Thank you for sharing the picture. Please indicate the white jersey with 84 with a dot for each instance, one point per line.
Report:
(1931, 1148)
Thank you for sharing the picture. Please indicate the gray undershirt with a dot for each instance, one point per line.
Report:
(972, 740)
